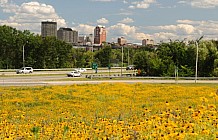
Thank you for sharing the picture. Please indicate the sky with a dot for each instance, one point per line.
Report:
(135, 20)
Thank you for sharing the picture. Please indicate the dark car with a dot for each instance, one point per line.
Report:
(130, 67)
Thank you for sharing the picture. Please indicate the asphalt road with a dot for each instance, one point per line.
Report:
(35, 80)
(58, 72)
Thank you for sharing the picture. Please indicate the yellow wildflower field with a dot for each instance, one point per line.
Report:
(109, 111)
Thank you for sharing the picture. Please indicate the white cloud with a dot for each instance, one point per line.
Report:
(185, 29)
(3, 1)
(208, 28)
(132, 7)
(29, 16)
(142, 4)
(125, 2)
(37, 8)
(179, 28)
(125, 12)
(10, 8)
(102, 21)
(129, 32)
(201, 3)
(164, 36)
(84, 29)
(185, 21)
(127, 20)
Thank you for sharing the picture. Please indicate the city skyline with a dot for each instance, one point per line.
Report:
(134, 20)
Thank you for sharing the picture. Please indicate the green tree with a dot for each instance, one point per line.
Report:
(141, 60)
(104, 56)
(207, 57)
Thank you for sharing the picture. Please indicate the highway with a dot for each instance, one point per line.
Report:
(60, 78)
(64, 80)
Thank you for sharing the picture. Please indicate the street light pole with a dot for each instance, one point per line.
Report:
(24, 53)
(23, 57)
(122, 63)
(196, 63)
(92, 52)
(128, 56)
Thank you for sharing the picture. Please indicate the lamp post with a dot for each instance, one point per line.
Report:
(24, 53)
(122, 63)
(92, 52)
(92, 42)
(196, 63)
(128, 56)
(23, 57)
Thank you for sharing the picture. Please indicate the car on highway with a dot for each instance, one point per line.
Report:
(74, 74)
(130, 67)
(24, 70)
(80, 70)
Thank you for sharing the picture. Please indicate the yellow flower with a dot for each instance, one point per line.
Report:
(114, 121)
(167, 103)
(211, 106)
(203, 99)
(212, 94)
(206, 132)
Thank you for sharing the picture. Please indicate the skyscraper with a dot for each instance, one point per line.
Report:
(121, 41)
(75, 37)
(68, 35)
(49, 28)
(147, 42)
(99, 34)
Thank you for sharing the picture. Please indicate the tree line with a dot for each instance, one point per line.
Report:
(164, 60)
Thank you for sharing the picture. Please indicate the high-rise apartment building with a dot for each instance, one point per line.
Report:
(75, 37)
(85, 40)
(147, 42)
(99, 35)
(68, 35)
(49, 28)
(121, 41)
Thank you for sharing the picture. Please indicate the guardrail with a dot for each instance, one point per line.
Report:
(133, 76)
(109, 76)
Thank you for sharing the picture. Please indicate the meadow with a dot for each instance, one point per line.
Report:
(109, 111)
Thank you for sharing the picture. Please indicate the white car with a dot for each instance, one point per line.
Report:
(25, 70)
(80, 69)
(74, 74)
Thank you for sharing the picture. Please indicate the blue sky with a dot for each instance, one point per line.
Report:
(135, 20)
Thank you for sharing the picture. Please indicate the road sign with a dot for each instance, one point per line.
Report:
(94, 65)
(109, 66)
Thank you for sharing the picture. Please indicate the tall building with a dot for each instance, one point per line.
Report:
(85, 40)
(49, 28)
(147, 42)
(75, 37)
(68, 35)
(121, 41)
(99, 35)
